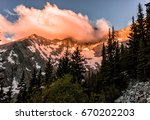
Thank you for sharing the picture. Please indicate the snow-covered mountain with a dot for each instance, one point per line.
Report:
(33, 52)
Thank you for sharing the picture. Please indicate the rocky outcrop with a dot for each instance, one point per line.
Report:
(137, 93)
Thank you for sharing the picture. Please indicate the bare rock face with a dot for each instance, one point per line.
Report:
(137, 93)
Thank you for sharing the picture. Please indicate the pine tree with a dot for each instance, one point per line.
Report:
(147, 49)
(142, 62)
(110, 55)
(143, 47)
(10, 92)
(141, 33)
(104, 57)
(123, 58)
(113, 34)
(64, 65)
(49, 72)
(119, 78)
(117, 58)
(103, 74)
(21, 98)
(32, 86)
(104, 67)
(133, 38)
(110, 72)
(39, 79)
(148, 23)
(21, 83)
(110, 47)
(2, 94)
(77, 66)
(1, 79)
(122, 52)
(109, 79)
(33, 81)
(133, 47)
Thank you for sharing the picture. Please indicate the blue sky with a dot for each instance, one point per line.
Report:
(118, 12)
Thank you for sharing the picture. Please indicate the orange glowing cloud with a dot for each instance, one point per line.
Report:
(53, 23)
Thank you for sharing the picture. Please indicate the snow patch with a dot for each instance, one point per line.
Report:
(45, 51)
(2, 50)
(32, 58)
(59, 43)
(85, 49)
(14, 87)
(32, 49)
(37, 65)
(1, 63)
(27, 69)
(43, 73)
(42, 49)
(91, 60)
(1, 66)
(10, 59)
(55, 46)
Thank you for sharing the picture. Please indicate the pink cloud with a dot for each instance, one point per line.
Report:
(52, 22)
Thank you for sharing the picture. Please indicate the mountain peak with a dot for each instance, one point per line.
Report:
(33, 35)
(123, 34)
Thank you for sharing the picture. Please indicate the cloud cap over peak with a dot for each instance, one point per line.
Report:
(52, 23)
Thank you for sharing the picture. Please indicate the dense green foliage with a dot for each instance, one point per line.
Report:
(77, 67)
(63, 90)
(48, 71)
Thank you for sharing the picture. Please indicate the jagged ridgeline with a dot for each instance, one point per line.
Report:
(33, 53)
(36, 69)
